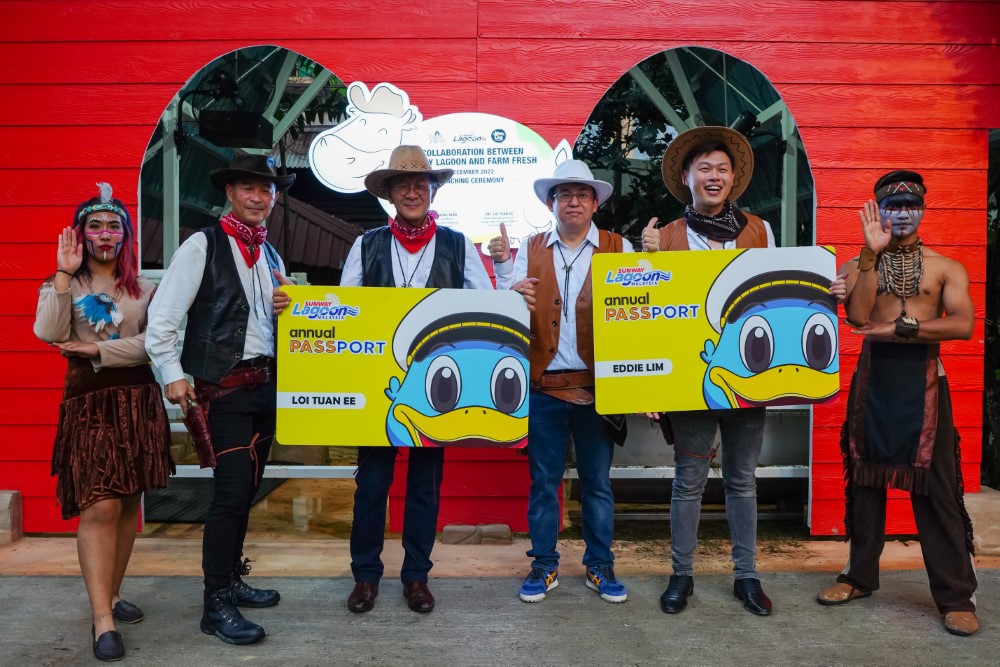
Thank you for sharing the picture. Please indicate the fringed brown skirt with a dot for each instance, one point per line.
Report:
(113, 438)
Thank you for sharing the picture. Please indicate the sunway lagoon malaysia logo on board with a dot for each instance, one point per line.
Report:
(643, 275)
(328, 309)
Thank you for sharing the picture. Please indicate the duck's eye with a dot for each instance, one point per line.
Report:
(756, 344)
(818, 339)
(443, 384)
(508, 385)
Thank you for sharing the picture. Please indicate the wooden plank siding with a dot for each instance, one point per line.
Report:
(866, 100)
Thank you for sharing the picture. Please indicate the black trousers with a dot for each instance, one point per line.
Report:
(941, 525)
(242, 424)
(423, 498)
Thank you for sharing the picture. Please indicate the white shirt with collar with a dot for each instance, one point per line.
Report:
(415, 267)
(567, 357)
(178, 289)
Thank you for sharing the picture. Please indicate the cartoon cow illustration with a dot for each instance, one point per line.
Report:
(342, 156)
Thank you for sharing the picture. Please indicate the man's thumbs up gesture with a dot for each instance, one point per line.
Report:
(651, 236)
(500, 246)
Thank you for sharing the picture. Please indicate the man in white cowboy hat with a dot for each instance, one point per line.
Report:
(411, 251)
(561, 400)
(708, 168)
(225, 280)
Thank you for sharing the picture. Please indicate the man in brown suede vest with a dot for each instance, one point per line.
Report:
(708, 168)
(562, 377)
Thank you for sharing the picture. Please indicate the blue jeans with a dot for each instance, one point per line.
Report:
(550, 424)
(742, 437)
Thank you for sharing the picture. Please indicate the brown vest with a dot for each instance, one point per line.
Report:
(546, 318)
(675, 235)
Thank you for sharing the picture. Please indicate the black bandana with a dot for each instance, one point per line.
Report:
(725, 226)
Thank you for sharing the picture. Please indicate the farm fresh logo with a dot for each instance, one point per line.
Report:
(643, 275)
(328, 309)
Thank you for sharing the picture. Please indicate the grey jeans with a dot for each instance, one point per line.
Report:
(694, 434)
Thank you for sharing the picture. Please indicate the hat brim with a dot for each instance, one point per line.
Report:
(673, 159)
(222, 177)
(375, 181)
(543, 186)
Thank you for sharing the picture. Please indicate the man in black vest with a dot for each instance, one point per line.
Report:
(411, 251)
(225, 279)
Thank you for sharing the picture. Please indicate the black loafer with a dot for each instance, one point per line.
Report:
(109, 646)
(126, 612)
(248, 596)
(754, 600)
(675, 598)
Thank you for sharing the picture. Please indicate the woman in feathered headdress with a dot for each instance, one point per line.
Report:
(113, 439)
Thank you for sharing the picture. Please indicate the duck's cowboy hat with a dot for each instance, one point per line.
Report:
(405, 160)
(572, 171)
(254, 167)
(673, 159)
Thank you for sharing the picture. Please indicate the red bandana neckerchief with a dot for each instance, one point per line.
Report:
(248, 238)
(413, 239)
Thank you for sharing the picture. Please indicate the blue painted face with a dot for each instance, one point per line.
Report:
(471, 393)
(901, 214)
(770, 344)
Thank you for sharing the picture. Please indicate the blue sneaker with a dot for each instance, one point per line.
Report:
(602, 579)
(537, 584)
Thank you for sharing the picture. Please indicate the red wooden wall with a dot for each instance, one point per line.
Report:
(873, 86)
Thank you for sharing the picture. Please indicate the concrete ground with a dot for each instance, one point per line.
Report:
(479, 620)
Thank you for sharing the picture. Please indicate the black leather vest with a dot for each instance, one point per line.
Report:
(217, 320)
(447, 269)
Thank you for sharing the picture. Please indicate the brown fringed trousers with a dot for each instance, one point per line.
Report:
(943, 525)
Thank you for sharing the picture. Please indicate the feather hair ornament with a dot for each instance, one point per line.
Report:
(106, 193)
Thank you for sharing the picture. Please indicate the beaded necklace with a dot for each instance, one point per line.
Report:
(900, 271)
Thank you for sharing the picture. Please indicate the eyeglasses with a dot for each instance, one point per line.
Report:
(582, 197)
(403, 188)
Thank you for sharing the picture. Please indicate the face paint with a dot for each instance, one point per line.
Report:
(104, 234)
(901, 214)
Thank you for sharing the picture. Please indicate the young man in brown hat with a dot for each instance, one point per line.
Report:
(225, 280)
(561, 400)
(905, 298)
(708, 168)
(411, 251)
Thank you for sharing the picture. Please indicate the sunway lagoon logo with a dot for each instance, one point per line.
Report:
(643, 275)
(328, 309)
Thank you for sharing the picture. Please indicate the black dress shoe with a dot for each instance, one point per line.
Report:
(754, 600)
(224, 620)
(418, 596)
(126, 612)
(248, 596)
(108, 647)
(362, 598)
(675, 598)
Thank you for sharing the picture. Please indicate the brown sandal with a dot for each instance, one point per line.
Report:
(841, 594)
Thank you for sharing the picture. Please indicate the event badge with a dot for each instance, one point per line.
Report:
(696, 330)
(366, 366)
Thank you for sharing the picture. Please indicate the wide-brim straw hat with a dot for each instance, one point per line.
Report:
(405, 160)
(572, 171)
(254, 167)
(673, 159)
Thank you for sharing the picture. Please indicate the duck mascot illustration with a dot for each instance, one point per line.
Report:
(466, 373)
(777, 341)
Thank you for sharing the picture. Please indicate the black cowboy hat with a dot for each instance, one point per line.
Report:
(256, 167)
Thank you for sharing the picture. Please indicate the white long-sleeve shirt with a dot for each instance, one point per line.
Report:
(177, 292)
(414, 268)
(567, 357)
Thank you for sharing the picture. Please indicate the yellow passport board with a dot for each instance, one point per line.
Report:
(694, 330)
(373, 366)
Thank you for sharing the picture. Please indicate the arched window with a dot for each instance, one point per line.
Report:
(626, 135)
